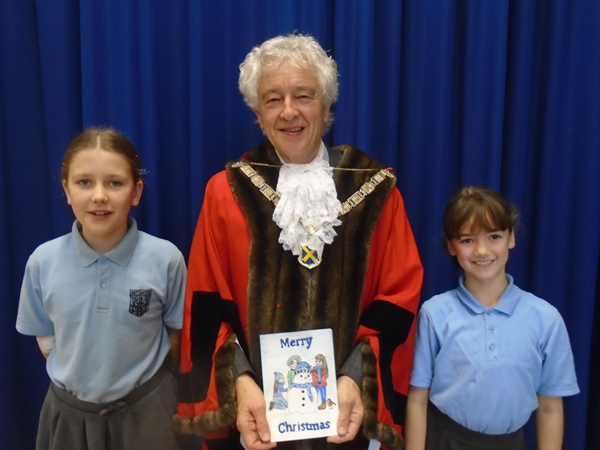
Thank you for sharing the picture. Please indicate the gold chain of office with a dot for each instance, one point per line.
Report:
(348, 205)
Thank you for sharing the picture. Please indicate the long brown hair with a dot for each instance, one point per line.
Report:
(321, 358)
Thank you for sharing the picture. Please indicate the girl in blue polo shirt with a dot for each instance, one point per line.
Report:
(487, 354)
(106, 304)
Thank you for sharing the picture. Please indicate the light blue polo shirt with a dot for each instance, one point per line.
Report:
(108, 312)
(484, 366)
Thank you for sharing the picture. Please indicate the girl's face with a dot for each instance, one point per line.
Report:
(101, 191)
(482, 255)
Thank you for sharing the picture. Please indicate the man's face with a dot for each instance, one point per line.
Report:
(291, 112)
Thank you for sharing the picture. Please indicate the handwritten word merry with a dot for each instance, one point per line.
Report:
(301, 342)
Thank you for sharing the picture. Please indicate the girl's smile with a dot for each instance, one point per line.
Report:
(483, 256)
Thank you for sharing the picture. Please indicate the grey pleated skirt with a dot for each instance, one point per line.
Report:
(139, 421)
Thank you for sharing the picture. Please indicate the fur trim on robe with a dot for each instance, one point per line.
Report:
(225, 415)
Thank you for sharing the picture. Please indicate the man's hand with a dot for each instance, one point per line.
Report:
(351, 410)
(251, 418)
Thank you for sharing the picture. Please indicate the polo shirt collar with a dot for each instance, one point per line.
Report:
(119, 255)
(508, 299)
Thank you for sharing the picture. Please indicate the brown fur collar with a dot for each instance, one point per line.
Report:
(328, 296)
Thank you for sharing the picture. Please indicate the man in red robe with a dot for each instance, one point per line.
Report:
(298, 236)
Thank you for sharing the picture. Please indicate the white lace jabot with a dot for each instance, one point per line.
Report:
(308, 201)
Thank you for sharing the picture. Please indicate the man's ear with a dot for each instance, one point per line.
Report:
(326, 114)
(259, 118)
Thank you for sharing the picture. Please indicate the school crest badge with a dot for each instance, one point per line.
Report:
(139, 301)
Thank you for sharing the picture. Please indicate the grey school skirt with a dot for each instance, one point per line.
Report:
(139, 421)
(443, 433)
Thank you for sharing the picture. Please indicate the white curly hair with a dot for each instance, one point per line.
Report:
(302, 51)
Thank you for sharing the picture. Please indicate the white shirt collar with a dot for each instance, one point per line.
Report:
(321, 154)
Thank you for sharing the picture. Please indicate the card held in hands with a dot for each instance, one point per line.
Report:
(299, 383)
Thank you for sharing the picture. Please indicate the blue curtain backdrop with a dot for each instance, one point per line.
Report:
(447, 92)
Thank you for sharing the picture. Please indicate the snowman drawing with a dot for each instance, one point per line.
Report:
(302, 396)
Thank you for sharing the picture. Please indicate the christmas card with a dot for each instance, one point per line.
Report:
(299, 383)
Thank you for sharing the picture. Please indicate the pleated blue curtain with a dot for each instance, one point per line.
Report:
(447, 92)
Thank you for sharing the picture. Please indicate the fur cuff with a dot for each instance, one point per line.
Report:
(372, 428)
(225, 416)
